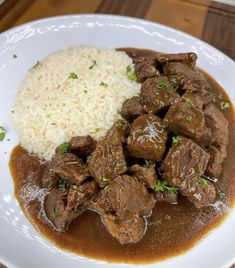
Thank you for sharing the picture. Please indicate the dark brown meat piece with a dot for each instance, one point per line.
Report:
(218, 125)
(189, 58)
(82, 145)
(125, 196)
(147, 175)
(131, 109)
(108, 161)
(145, 68)
(166, 196)
(125, 230)
(184, 75)
(61, 207)
(67, 165)
(157, 94)
(186, 120)
(147, 138)
(198, 98)
(183, 167)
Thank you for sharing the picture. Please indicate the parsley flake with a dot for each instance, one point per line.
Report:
(131, 74)
(176, 140)
(14, 56)
(2, 133)
(202, 182)
(162, 186)
(97, 130)
(103, 84)
(149, 164)
(224, 105)
(120, 163)
(220, 194)
(73, 76)
(161, 84)
(63, 148)
(189, 102)
(93, 64)
(189, 118)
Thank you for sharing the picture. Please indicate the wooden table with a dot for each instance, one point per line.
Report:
(210, 21)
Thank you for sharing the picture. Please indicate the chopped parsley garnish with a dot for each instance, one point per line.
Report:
(224, 105)
(35, 65)
(93, 64)
(131, 74)
(53, 124)
(189, 102)
(97, 130)
(103, 84)
(175, 140)
(2, 133)
(73, 76)
(120, 163)
(149, 164)
(74, 186)
(162, 186)
(220, 194)
(113, 142)
(105, 178)
(173, 79)
(161, 84)
(85, 91)
(63, 183)
(88, 158)
(63, 148)
(54, 209)
(189, 118)
(202, 182)
(14, 56)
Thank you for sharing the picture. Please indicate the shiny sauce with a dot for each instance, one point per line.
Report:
(172, 229)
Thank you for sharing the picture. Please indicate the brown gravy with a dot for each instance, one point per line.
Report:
(172, 229)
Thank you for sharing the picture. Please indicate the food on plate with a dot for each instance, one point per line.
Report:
(126, 150)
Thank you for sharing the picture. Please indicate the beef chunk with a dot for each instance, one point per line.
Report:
(67, 165)
(147, 175)
(125, 230)
(131, 109)
(157, 94)
(145, 67)
(189, 58)
(218, 125)
(108, 161)
(61, 207)
(147, 138)
(184, 75)
(186, 120)
(119, 130)
(198, 98)
(166, 196)
(183, 167)
(82, 145)
(125, 196)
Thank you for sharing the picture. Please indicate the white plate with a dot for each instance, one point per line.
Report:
(20, 244)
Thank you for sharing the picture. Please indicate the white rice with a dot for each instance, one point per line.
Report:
(50, 107)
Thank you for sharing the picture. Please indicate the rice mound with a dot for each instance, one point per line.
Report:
(76, 91)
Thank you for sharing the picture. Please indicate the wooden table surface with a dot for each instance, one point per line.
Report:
(208, 20)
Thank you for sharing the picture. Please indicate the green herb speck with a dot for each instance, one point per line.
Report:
(189, 102)
(224, 105)
(120, 163)
(73, 76)
(14, 56)
(149, 164)
(103, 84)
(175, 140)
(93, 64)
(189, 118)
(2, 133)
(97, 130)
(162, 186)
(63, 148)
(220, 194)
(35, 65)
(131, 74)
(202, 182)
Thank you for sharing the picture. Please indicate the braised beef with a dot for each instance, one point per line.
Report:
(61, 207)
(68, 165)
(126, 231)
(146, 174)
(147, 138)
(108, 161)
(198, 98)
(184, 166)
(131, 109)
(184, 119)
(145, 67)
(83, 146)
(189, 58)
(157, 94)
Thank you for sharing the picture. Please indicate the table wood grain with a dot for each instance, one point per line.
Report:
(208, 20)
